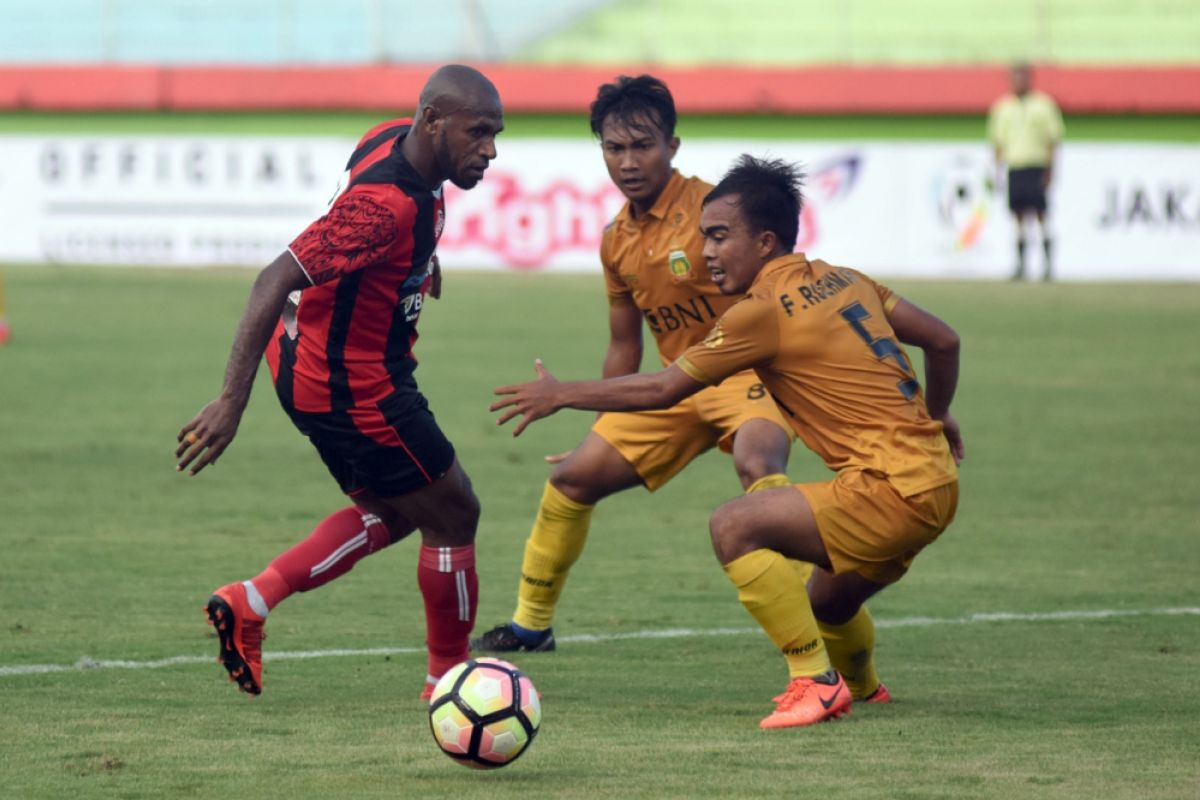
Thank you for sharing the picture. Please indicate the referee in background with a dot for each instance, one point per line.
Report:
(1025, 128)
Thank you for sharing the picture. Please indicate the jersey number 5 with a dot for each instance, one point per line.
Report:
(883, 347)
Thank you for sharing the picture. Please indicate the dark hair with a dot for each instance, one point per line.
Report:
(633, 101)
(769, 195)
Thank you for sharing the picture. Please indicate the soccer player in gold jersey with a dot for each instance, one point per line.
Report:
(826, 342)
(651, 254)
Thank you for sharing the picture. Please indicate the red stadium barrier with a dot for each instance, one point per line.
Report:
(810, 90)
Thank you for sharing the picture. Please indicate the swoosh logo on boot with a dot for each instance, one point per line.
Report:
(835, 696)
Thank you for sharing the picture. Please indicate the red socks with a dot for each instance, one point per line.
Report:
(446, 576)
(343, 539)
(450, 587)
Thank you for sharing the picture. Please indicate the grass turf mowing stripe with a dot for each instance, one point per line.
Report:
(86, 663)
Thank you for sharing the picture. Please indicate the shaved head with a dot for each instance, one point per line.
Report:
(456, 87)
(454, 131)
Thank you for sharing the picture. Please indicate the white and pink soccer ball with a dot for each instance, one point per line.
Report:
(484, 713)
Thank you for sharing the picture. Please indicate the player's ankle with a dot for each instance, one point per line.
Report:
(530, 637)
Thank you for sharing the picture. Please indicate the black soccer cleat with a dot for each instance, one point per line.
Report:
(503, 639)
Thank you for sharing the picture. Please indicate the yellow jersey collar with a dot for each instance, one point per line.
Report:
(780, 264)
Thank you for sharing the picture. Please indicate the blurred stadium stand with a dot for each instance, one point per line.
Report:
(669, 32)
(872, 32)
(277, 31)
(753, 56)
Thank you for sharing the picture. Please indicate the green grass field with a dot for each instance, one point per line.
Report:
(1079, 500)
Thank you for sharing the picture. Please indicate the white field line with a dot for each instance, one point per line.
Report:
(86, 663)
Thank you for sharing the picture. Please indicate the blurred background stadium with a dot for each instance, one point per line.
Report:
(604, 32)
(856, 90)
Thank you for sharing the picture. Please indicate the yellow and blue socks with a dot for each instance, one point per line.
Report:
(555, 543)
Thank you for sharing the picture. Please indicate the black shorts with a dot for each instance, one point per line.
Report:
(392, 448)
(1025, 189)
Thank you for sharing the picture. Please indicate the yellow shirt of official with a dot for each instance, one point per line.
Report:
(655, 260)
(1025, 129)
(819, 338)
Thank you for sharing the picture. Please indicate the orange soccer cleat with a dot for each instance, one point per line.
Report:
(808, 701)
(880, 696)
(241, 633)
(427, 692)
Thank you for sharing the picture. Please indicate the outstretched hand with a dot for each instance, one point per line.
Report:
(531, 401)
(204, 439)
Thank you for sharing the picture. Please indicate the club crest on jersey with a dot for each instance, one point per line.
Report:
(439, 223)
(677, 262)
(715, 338)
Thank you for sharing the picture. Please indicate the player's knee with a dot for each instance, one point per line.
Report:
(831, 608)
(825, 608)
(755, 467)
(728, 531)
(469, 511)
(395, 524)
(459, 509)
(576, 484)
(761, 449)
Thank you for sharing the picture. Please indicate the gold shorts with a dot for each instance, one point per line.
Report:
(870, 528)
(661, 443)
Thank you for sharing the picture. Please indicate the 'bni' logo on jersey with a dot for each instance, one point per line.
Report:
(677, 262)
(412, 307)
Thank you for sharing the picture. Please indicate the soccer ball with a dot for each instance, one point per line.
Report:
(484, 713)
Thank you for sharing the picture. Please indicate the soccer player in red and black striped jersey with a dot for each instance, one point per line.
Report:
(342, 362)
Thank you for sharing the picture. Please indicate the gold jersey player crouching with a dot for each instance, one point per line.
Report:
(651, 254)
(825, 341)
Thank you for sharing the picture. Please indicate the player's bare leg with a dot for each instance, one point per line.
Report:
(754, 536)
(760, 454)
(593, 470)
